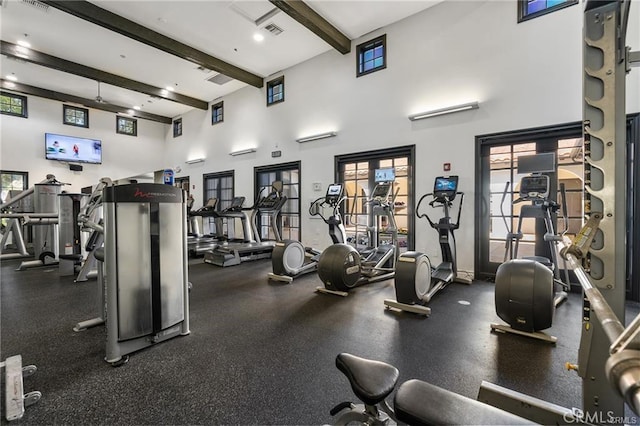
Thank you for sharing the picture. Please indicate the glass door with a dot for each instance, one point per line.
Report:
(497, 186)
(356, 172)
(289, 218)
(220, 186)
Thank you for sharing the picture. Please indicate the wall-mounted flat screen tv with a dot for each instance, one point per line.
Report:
(72, 149)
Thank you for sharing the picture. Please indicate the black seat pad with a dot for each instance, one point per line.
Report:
(371, 381)
(421, 403)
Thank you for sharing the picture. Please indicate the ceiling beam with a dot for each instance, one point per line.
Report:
(90, 103)
(45, 60)
(308, 17)
(102, 17)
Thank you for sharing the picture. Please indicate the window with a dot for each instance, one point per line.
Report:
(372, 55)
(127, 126)
(11, 104)
(217, 111)
(529, 9)
(177, 127)
(275, 91)
(12, 183)
(75, 116)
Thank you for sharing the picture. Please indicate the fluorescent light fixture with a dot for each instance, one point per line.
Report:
(442, 111)
(316, 137)
(12, 77)
(243, 151)
(195, 161)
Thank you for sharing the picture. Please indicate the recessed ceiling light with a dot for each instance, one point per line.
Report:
(258, 37)
(12, 77)
(24, 43)
(137, 108)
(170, 88)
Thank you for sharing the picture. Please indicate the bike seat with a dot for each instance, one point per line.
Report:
(371, 381)
(421, 403)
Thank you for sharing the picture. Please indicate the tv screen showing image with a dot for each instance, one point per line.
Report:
(385, 175)
(444, 184)
(72, 149)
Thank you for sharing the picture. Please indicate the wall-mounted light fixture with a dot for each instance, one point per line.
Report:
(316, 137)
(195, 161)
(442, 111)
(243, 151)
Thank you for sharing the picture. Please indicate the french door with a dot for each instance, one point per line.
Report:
(289, 218)
(356, 172)
(496, 215)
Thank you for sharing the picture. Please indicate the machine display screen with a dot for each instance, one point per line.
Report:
(381, 191)
(334, 190)
(445, 187)
(385, 175)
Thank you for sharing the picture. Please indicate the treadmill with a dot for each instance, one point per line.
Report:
(230, 253)
(198, 247)
(195, 238)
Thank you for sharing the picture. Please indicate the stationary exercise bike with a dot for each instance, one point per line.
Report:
(416, 282)
(342, 267)
(415, 403)
(525, 294)
(290, 258)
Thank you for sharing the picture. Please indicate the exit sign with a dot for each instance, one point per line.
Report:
(275, 154)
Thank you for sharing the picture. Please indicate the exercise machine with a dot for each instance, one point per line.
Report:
(415, 403)
(233, 211)
(416, 282)
(341, 267)
(290, 258)
(145, 283)
(252, 248)
(608, 358)
(525, 295)
(43, 219)
(197, 241)
(15, 399)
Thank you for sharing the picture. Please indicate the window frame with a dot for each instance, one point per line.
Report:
(133, 121)
(13, 96)
(522, 9)
(177, 127)
(362, 47)
(84, 111)
(270, 85)
(217, 107)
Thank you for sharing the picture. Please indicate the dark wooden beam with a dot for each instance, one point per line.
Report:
(45, 60)
(90, 103)
(308, 17)
(96, 15)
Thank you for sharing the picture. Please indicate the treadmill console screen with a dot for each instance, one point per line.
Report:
(445, 187)
(536, 186)
(381, 191)
(236, 203)
(334, 192)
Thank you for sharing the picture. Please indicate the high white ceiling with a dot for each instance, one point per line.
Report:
(223, 29)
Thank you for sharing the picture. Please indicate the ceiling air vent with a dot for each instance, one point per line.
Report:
(37, 4)
(273, 29)
(220, 79)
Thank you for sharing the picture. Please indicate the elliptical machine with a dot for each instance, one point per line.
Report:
(290, 258)
(416, 282)
(525, 294)
(342, 267)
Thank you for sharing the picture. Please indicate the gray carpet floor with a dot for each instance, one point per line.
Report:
(261, 352)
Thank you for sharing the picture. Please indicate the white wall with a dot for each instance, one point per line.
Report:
(22, 145)
(524, 75)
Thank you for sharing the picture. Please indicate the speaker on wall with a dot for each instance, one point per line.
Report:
(75, 167)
